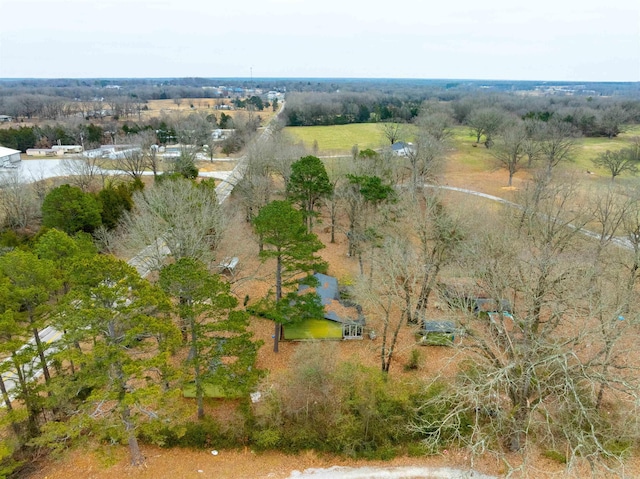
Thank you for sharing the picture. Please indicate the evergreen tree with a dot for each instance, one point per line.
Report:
(308, 183)
(284, 237)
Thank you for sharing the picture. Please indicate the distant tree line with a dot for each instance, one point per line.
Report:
(590, 116)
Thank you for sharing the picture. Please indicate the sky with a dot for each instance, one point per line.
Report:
(562, 40)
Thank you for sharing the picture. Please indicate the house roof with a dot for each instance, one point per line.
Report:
(439, 326)
(329, 294)
(4, 151)
(400, 145)
(327, 288)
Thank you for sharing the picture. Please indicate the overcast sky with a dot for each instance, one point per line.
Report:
(597, 40)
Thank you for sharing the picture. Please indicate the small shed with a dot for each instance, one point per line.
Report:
(340, 321)
(488, 305)
(437, 333)
(9, 158)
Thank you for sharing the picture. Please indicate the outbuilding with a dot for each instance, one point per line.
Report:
(437, 333)
(341, 320)
(9, 158)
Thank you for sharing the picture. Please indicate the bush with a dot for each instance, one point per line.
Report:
(267, 439)
(414, 361)
(555, 456)
(203, 434)
(342, 409)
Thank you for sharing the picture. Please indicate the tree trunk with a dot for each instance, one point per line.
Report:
(5, 395)
(32, 418)
(276, 334)
(425, 291)
(43, 360)
(137, 459)
(196, 369)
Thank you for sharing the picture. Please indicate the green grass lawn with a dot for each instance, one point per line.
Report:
(339, 139)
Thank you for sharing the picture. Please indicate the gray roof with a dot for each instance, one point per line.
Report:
(399, 145)
(439, 326)
(327, 288)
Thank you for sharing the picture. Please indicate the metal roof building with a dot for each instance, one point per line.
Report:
(9, 158)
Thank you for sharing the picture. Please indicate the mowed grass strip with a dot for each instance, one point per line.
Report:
(339, 138)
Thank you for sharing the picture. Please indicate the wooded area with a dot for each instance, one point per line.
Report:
(549, 367)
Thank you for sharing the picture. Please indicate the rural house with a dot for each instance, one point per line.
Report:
(401, 148)
(342, 320)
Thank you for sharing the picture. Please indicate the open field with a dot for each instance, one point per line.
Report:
(463, 155)
(340, 138)
(157, 108)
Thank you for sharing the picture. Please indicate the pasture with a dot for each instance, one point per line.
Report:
(463, 154)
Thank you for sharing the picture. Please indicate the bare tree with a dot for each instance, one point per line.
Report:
(178, 218)
(617, 162)
(256, 186)
(486, 122)
(435, 121)
(393, 131)
(385, 293)
(19, 203)
(437, 235)
(540, 370)
(612, 121)
(557, 144)
(425, 159)
(284, 153)
(87, 173)
(134, 162)
(510, 148)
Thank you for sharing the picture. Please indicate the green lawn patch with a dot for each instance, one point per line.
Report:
(313, 329)
(339, 138)
(210, 391)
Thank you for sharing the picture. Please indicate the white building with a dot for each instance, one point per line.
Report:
(68, 148)
(9, 158)
(44, 152)
(401, 148)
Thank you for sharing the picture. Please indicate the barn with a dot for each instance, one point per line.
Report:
(9, 158)
(341, 320)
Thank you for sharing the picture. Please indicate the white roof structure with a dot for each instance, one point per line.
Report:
(4, 151)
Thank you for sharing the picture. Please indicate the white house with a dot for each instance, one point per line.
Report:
(401, 148)
(9, 158)
(44, 152)
(68, 148)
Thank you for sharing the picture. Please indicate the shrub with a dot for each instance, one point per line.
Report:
(267, 439)
(555, 456)
(414, 361)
